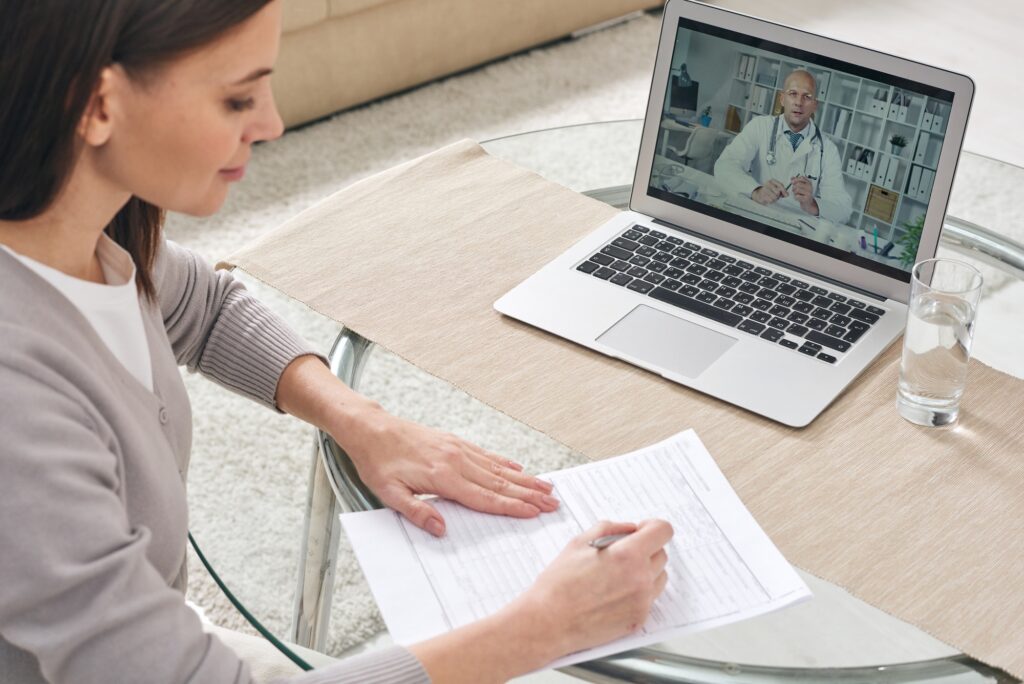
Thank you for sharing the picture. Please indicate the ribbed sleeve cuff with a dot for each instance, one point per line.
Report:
(392, 665)
(249, 348)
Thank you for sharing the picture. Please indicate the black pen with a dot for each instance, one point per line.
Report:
(607, 540)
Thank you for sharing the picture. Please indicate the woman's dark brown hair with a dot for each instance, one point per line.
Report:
(51, 55)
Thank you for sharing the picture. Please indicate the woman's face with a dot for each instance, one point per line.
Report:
(181, 135)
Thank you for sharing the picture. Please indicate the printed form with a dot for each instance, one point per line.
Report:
(722, 566)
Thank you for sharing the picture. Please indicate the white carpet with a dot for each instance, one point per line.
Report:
(250, 467)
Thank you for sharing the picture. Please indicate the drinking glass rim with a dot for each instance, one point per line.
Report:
(937, 260)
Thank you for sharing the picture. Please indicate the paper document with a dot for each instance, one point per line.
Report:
(722, 566)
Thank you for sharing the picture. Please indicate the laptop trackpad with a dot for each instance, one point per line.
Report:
(667, 342)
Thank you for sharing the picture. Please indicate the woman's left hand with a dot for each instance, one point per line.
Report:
(399, 459)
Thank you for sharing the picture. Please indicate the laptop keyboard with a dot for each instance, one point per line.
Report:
(773, 306)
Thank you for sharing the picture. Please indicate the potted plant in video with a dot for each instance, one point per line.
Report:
(908, 241)
(705, 116)
(897, 142)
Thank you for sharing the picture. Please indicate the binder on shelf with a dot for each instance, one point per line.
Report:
(937, 120)
(823, 79)
(883, 166)
(741, 70)
(894, 105)
(851, 163)
(901, 115)
(841, 119)
(892, 170)
(750, 68)
(924, 189)
(914, 184)
(922, 147)
(926, 120)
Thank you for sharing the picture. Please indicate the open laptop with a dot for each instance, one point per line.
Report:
(765, 258)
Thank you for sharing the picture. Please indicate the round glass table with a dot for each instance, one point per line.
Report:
(835, 637)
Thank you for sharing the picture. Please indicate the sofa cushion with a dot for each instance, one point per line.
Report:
(339, 8)
(299, 14)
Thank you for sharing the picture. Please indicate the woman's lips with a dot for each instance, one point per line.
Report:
(234, 174)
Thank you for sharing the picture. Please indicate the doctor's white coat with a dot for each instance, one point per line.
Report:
(743, 166)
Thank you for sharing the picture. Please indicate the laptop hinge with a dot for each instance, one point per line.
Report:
(762, 257)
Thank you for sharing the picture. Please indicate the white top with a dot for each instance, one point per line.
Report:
(112, 309)
(744, 165)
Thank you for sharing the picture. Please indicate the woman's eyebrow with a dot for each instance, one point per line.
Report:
(259, 73)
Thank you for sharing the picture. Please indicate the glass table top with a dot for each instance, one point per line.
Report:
(833, 637)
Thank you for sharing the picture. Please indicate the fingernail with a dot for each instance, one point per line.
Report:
(435, 527)
(550, 501)
(544, 484)
(513, 465)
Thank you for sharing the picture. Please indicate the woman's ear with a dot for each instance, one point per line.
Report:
(96, 125)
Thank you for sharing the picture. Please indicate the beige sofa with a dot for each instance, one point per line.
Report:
(337, 54)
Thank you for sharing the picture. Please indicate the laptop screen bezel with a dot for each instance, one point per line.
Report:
(773, 248)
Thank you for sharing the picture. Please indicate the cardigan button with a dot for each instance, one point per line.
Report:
(163, 415)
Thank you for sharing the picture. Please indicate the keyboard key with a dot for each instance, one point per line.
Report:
(859, 326)
(761, 304)
(638, 260)
(779, 323)
(800, 284)
(714, 275)
(587, 267)
(682, 252)
(733, 270)
(620, 279)
(803, 307)
(770, 283)
(697, 268)
(658, 234)
(689, 290)
(743, 297)
(826, 358)
(725, 291)
(700, 258)
(835, 330)
(823, 302)
(674, 240)
(865, 316)
(723, 303)
(632, 234)
(823, 314)
(602, 259)
(637, 272)
(808, 350)
(812, 345)
(732, 281)
(786, 289)
(616, 252)
(692, 245)
(670, 284)
(797, 329)
(620, 265)
(665, 246)
(875, 310)
(691, 279)
(840, 320)
(706, 297)
(853, 335)
(742, 310)
(625, 244)
(709, 285)
(762, 271)
(648, 240)
(640, 229)
(788, 344)
(663, 257)
(716, 264)
(745, 264)
(779, 311)
(657, 266)
(772, 335)
(818, 290)
(856, 304)
(709, 252)
(750, 277)
(816, 324)
(604, 273)
(751, 327)
(782, 278)
(655, 278)
(839, 308)
(836, 296)
(828, 341)
(804, 295)
(749, 288)
(765, 293)
(797, 317)
(727, 259)
(761, 316)
(785, 301)
(673, 272)
(646, 251)
(689, 304)
(640, 286)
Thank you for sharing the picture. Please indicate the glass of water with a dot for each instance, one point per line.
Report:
(944, 296)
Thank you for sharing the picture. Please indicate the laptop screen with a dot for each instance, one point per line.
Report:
(822, 153)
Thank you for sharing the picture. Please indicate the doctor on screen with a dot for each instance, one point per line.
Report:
(785, 159)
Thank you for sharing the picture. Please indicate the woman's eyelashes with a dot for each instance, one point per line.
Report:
(241, 104)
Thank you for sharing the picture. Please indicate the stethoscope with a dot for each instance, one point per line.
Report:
(815, 140)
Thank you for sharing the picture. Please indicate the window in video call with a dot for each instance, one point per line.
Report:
(818, 152)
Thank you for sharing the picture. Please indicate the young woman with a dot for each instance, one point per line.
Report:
(113, 112)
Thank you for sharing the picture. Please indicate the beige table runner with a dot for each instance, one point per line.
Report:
(925, 524)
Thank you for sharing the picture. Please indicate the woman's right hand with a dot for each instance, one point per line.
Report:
(590, 596)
